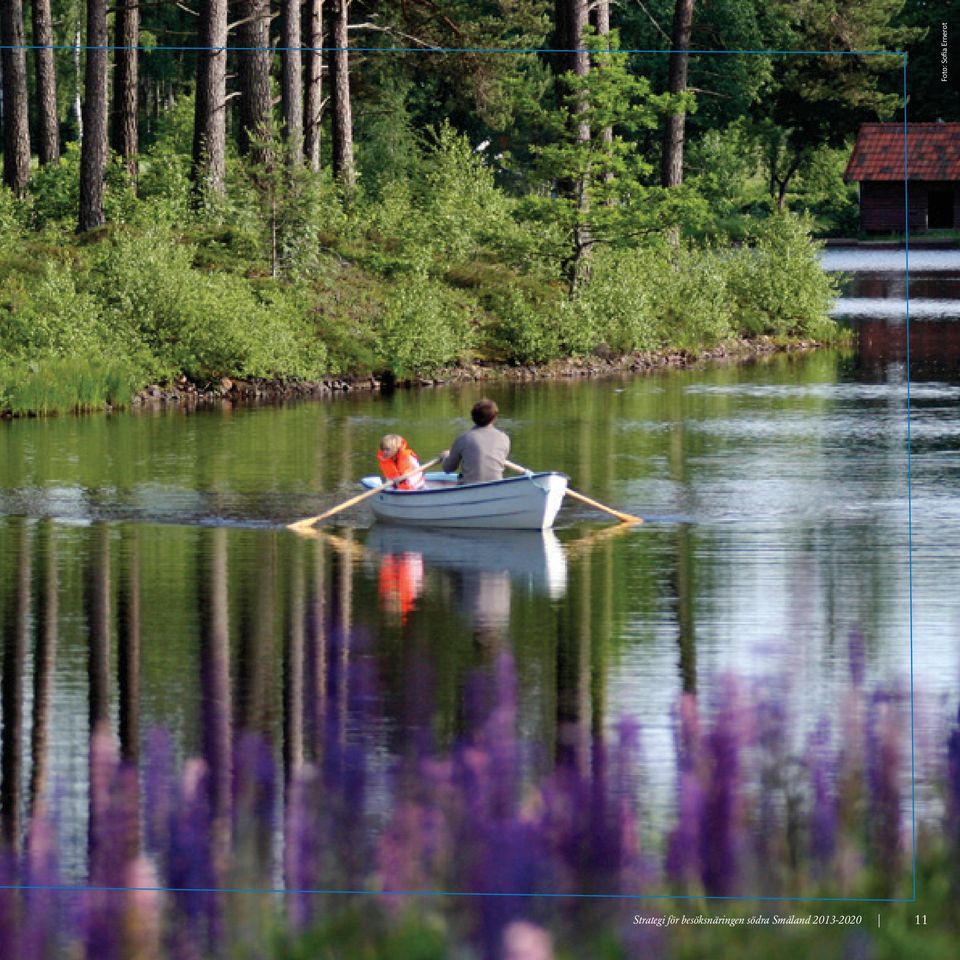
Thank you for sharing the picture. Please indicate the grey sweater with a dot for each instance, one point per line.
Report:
(479, 454)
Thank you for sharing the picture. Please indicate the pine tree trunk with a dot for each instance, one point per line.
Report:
(93, 152)
(16, 126)
(48, 127)
(127, 36)
(253, 63)
(671, 174)
(209, 119)
(313, 104)
(342, 115)
(292, 82)
(77, 78)
(572, 18)
(601, 15)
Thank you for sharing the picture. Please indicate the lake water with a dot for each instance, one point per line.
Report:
(149, 580)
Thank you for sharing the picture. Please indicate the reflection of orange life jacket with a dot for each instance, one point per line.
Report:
(400, 583)
(403, 461)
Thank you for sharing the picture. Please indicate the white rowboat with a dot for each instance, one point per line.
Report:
(533, 559)
(527, 502)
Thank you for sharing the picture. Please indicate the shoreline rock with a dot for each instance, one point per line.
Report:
(228, 390)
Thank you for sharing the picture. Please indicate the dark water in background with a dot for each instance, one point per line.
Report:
(147, 574)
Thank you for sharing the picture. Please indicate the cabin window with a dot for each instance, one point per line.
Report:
(940, 208)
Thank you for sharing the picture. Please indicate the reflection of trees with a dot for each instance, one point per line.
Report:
(47, 635)
(257, 646)
(574, 642)
(315, 669)
(293, 673)
(98, 625)
(15, 635)
(128, 646)
(681, 583)
(344, 594)
(681, 574)
(98, 676)
(215, 687)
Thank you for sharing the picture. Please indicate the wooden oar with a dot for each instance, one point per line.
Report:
(619, 514)
(310, 521)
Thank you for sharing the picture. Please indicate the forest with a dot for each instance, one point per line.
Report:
(300, 189)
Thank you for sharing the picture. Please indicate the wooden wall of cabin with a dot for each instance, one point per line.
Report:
(881, 205)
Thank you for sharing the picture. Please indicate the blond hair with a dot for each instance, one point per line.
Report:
(391, 444)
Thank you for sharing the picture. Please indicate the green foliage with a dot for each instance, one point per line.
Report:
(388, 147)
(524, 331)
(618, 303)
(56, 188)
(11, 212)
(65, 385)
(44, 314)
(821, 192)
(777, 283)
(201, 324)
(424, 326)
(464, 211)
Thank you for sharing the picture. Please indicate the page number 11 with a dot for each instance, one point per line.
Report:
(921, 919)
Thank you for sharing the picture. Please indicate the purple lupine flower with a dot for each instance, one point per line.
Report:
(42, 907)
(953, 782)
(823, 811)
(301, 847)
(104, 760)
(158, 788)
(719, 825)
(683, 863)
(190, 864)
(10, 905)
(499, 737)
(770, 734)
(883, 772)
(511, 863)
(688, 741)
(627, 813)
(254, 805)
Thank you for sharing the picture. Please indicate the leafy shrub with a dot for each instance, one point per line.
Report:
(617, 303)
(11, 215)
(203, 325)
(423, 327)
(690, 299)
(523, 331)
(823, 193)
(777, 285)
(56, 187)
(45, 314)
(163, 185)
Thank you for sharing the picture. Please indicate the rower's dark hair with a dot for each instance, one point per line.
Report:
(484, 412)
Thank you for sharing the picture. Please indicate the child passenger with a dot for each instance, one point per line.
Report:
(396, 458)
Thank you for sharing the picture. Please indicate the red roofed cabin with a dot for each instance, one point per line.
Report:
(933, 172)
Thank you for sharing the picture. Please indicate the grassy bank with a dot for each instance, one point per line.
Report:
(291, 282)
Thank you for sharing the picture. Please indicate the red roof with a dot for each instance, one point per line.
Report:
(933, 152)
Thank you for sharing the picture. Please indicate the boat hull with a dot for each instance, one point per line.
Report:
(528, 502)
(532, 559)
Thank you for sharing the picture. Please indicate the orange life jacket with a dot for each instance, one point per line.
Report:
(400, 584)
(403, 461)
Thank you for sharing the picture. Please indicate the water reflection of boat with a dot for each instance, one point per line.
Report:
(528, 502)
(534, 558)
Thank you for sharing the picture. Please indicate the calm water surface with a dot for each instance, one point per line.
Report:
(149, 580)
